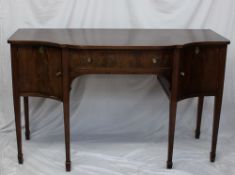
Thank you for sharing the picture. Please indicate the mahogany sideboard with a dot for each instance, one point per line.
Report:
(188, 62)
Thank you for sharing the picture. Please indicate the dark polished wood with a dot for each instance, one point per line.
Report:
(117, 38)
(16, 100)
(66, 89)
(120, 61)
(218, 101)
(199, 117)
(26, 118)
(199, 71)
(173, 105)
(189, 63)
(44, 65)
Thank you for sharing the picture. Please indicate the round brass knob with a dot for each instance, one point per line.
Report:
(41, 50)
(155, 60)
(197, 50)
(58, 74)
(89, 60)
(182, 74)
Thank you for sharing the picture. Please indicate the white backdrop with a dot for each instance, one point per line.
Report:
(119, 123)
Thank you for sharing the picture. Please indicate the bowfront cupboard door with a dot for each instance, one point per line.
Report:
(40, 71)
(200, 70)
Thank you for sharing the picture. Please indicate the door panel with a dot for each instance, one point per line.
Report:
(40, 70)
(199, 70)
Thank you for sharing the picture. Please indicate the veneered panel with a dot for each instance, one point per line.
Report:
(120, 61)
(199, 70)
(40, 70)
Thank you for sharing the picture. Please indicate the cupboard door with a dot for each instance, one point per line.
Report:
(40, 71)
(199, 71)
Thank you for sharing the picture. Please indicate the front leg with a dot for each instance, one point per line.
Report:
(216, 120)
(199, 117)
(67, 134)
(16, 99)
(172, 119)
(66, 90)
(218, 103)
(26, 115)
(173, 106)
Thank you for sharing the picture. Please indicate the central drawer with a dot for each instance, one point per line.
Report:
(120, 61)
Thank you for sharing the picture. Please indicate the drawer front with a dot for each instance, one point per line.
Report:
(199, 71)
(40, 70)
(120, 61)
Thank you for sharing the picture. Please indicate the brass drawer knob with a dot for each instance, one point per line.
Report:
(155, 60)
(41, 50)
(197, 50)
(182, 74)
(58, 74)
(89, 60)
